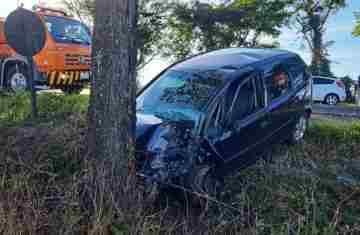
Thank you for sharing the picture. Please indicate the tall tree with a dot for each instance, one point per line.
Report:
(311, 17)
(196, 27)
(151, 23)
(84, 10)
(112, 100)
(357, 27)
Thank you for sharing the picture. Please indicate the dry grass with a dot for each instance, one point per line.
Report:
(47, 186)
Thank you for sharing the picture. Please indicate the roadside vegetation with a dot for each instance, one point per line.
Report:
(312, 188)
(16, 110)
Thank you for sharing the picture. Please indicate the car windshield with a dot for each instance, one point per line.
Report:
(67, 31)
(179, 95)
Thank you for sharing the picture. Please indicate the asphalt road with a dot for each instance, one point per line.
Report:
(340, 111)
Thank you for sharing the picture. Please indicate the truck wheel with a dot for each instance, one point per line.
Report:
(298, 132)
(72, 90)
(16, 79)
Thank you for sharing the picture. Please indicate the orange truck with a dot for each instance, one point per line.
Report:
(64, 62)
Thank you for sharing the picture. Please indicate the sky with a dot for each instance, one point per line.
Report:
(344, 54)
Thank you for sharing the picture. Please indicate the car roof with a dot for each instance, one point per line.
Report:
(235, 58)
(329, 78)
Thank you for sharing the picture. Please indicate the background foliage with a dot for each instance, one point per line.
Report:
(357, 28)
(197, 27)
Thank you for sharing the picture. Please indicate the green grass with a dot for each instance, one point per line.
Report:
(16, 109)
(311, 188)
(348, 105)
(47, 185)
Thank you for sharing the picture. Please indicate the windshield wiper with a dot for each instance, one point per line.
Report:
(80, 40)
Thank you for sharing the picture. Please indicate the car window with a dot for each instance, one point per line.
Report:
(244, 103)
(277, 83)
(322, 81)
(214, 126)
(298, 71)
(243, 98)
(260, 92)
(218, 116)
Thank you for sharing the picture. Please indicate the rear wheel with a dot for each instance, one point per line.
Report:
(16, 79)
(332, 99)
(72, 90)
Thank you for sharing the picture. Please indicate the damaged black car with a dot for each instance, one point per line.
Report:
(218, 112)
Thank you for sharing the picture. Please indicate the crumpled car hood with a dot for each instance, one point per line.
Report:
(145, 123)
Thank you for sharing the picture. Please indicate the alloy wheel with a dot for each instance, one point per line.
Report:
(332, 100)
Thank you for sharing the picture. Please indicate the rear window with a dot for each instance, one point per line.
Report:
(323, 81)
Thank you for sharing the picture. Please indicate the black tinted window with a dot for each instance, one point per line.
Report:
(244, 103)
(323, 81)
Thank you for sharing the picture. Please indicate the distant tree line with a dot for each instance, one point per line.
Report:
(176, 29)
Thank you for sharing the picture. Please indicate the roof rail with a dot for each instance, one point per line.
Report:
(50, 11)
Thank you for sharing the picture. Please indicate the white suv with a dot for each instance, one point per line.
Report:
(328, 90)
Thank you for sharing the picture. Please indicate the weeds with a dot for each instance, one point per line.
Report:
(16, 109)
(47, 186)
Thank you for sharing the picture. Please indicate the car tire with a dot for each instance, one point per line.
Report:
(204, 185)
(16, 79)
(332, 99)
(299, 130)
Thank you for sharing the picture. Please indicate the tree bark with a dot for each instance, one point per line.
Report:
(317, 52)
(113, 89)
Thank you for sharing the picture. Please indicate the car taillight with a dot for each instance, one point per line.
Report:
(340, 84)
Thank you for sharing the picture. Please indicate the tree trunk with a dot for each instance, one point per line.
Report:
(112, 101)
(317, 58)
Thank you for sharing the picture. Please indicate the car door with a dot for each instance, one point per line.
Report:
(322, 87)
(247, 124)
(318, 93)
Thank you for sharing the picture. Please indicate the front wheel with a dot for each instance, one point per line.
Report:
(16, 79)
(204, 185)
(298, 132)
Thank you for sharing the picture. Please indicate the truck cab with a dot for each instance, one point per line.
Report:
(64, 62)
